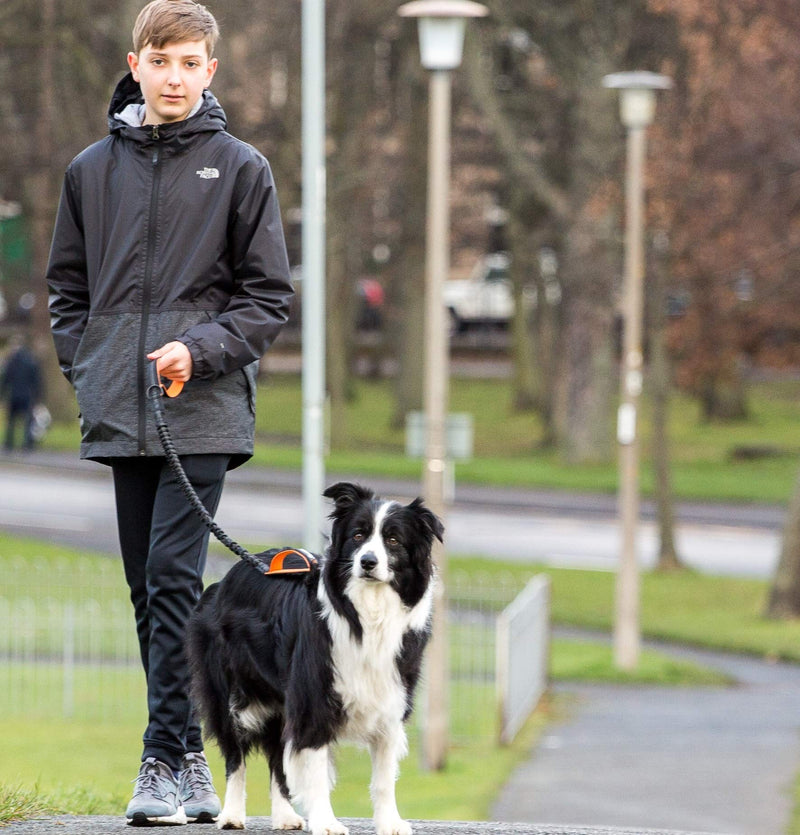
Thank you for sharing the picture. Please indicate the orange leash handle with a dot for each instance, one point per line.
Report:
(174, 388)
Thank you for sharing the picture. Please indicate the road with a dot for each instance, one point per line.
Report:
(58, 498)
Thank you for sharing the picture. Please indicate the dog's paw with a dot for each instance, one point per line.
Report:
(289, 820)
(395, 826)
(228, 821)
(328, 827)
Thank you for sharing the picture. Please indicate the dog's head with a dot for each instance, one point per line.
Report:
(375, 540)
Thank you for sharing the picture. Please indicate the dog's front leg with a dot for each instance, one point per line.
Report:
(233, 814)
(386, 751)
(308, 775)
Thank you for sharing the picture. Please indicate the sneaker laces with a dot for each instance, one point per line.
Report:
(150, 781)
(196, 776)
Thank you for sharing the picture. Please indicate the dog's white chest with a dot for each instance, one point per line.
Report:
(365, 672)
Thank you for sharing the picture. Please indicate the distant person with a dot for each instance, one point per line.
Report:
(168, 247)
(20, 388)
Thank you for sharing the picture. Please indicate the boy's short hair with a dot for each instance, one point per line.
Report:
(174, 21)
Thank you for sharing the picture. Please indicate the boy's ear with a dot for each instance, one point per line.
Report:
(211, 69)
(133, 63)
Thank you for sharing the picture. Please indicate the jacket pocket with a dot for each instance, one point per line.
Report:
(104, 376)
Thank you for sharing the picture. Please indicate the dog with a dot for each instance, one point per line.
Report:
(291, 664)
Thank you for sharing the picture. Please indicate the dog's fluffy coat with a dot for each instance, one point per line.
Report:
(292, 664)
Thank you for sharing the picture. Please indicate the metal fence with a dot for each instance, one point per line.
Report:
(67, 639)
(68, 644)
(523, 656)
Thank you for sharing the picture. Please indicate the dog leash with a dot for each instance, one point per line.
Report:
(280, 560)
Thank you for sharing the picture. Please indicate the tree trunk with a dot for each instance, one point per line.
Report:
(660, 387)
(784, 596)
(535, 333)
(724, 397)
(408, 287)
(349, 60)
(339, 325)
(548, 329)
(587, 379)
(407, 331)
(41, 196)
(526, 370)
(588, 370)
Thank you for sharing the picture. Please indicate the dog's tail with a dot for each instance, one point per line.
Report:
(210, 687)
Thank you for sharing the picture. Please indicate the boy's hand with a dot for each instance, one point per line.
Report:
(174, 361)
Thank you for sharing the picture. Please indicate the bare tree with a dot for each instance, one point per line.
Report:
(784, 595)
(560, 144)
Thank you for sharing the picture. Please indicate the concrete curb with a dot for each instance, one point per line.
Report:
(99, 825)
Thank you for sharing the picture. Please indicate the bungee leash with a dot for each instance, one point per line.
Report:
(280, 560)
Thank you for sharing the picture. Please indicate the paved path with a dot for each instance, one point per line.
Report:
(720, 759)
(68, 825)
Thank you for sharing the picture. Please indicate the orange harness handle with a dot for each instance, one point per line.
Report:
(290, 561)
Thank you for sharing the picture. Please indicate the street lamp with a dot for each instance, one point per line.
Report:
(637, 108)
(313, 260)
(441, 38)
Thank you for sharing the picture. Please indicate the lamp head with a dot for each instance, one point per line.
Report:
(441, 29)
(637, 98)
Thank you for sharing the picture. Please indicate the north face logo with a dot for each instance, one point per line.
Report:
(208, 173)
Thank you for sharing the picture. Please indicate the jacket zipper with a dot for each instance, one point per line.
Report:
(147, 291)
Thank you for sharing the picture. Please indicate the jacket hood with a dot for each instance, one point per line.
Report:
(128, 95)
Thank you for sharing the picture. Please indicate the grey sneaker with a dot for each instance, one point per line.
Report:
(155, 797)
(196, 790)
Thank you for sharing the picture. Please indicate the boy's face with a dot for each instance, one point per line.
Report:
(172, 79)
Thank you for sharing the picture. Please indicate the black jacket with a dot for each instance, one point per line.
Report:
(167, 232)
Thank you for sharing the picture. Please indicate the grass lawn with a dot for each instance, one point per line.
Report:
(85, 766)
(40, 759)
(686, 607)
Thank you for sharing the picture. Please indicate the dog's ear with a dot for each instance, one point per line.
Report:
(345, 495)
(428, 518)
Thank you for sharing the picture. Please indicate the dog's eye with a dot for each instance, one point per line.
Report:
(358, 536)
(392, 540)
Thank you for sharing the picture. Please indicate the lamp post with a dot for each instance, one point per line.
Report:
(637, 108)
(313, 259)
(441, 38)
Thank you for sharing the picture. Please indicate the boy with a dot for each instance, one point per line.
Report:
(168, 246)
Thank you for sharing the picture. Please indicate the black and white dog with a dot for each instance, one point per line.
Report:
(292, 664)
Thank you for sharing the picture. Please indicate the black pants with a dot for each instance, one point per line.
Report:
(164, 545)
(22, 411)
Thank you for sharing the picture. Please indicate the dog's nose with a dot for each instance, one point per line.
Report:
(368, 563)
